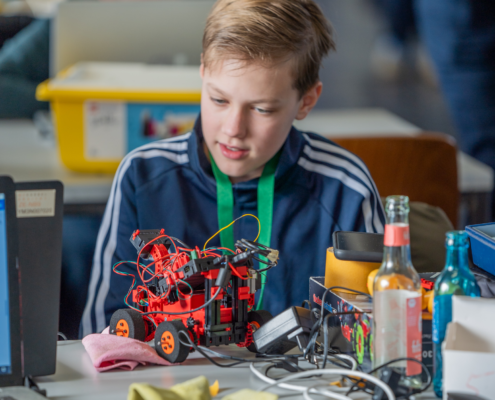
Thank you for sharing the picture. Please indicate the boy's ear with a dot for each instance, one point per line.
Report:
(309, 100)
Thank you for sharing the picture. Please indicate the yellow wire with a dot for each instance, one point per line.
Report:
(232, 223)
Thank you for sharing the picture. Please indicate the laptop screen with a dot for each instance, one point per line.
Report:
(5, 355)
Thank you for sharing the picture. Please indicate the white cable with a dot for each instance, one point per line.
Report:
(326, 393)
(282, 382)
(269, 380)
(351, 359)
(330, 372)
(287, 386)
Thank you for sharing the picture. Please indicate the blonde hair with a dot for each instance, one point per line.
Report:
(270, 31)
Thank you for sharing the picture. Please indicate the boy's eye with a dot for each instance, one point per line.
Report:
(262, 110)
(218, 101)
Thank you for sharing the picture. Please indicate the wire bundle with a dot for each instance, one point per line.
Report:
(171, 262)
(174, 260)
(333, 389)
(318, 355)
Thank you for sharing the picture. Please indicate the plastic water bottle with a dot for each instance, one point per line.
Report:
(455, 279)
(397, 299)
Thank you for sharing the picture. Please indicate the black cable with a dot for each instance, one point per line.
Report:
(262, 358)
(256, 247)
(188, 311)
(325, 334)
(342, 366)
(295, 366)
(268, 369)
(31, 384)
(190, 343)
(270, 264)
(306, 302)
(253, 245)
(181, 242)
(355, 387)
(202, 350)
(284, 356)
(317, 325)
(258, 244)
(325, 341)
(423, 367)
(313, 334)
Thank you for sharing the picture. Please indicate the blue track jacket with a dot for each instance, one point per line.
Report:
(319, 188)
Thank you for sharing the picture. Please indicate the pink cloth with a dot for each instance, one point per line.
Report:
(110, 351)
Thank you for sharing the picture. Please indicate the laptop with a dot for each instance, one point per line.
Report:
(11, 373)
(154, 32)
(30, 258)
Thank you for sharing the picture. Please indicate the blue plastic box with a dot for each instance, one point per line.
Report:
(483, 245)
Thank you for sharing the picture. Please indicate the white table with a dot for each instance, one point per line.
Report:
(25, 155)
(76, 379)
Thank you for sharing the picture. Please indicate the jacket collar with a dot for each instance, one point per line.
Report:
(291, 151)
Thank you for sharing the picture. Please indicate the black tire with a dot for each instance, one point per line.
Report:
(128, 323)
(167, 341)
(257, 319)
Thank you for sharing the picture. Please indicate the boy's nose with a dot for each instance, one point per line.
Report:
(235, 123)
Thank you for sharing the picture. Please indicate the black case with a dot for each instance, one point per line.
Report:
(358, 246)
(40, 260)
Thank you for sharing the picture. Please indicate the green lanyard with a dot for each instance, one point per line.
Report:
(225, 208)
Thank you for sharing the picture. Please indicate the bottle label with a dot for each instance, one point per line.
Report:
(414, 333)
(442, 315)
(398, 328)
(396, 235)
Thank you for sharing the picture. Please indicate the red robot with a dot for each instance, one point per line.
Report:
(192, 296)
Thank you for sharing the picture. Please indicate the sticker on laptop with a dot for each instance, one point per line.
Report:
(35, 203)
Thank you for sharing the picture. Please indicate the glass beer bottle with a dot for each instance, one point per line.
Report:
(455, 279)
(397, 298)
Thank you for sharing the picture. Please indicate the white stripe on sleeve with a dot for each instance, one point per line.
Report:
(320, 144)
(348, 166)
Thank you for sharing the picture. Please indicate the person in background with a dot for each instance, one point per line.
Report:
(389, 51)
(460, 37)
(23, 65)
(11, 25)
(397, 51)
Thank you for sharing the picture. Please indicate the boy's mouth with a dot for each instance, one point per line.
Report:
(234, 153)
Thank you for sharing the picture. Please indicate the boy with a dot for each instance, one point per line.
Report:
(260, 72)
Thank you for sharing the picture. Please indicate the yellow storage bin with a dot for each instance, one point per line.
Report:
(349, 274)
(104, 110)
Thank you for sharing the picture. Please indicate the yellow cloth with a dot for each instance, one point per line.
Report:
(194, 389)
